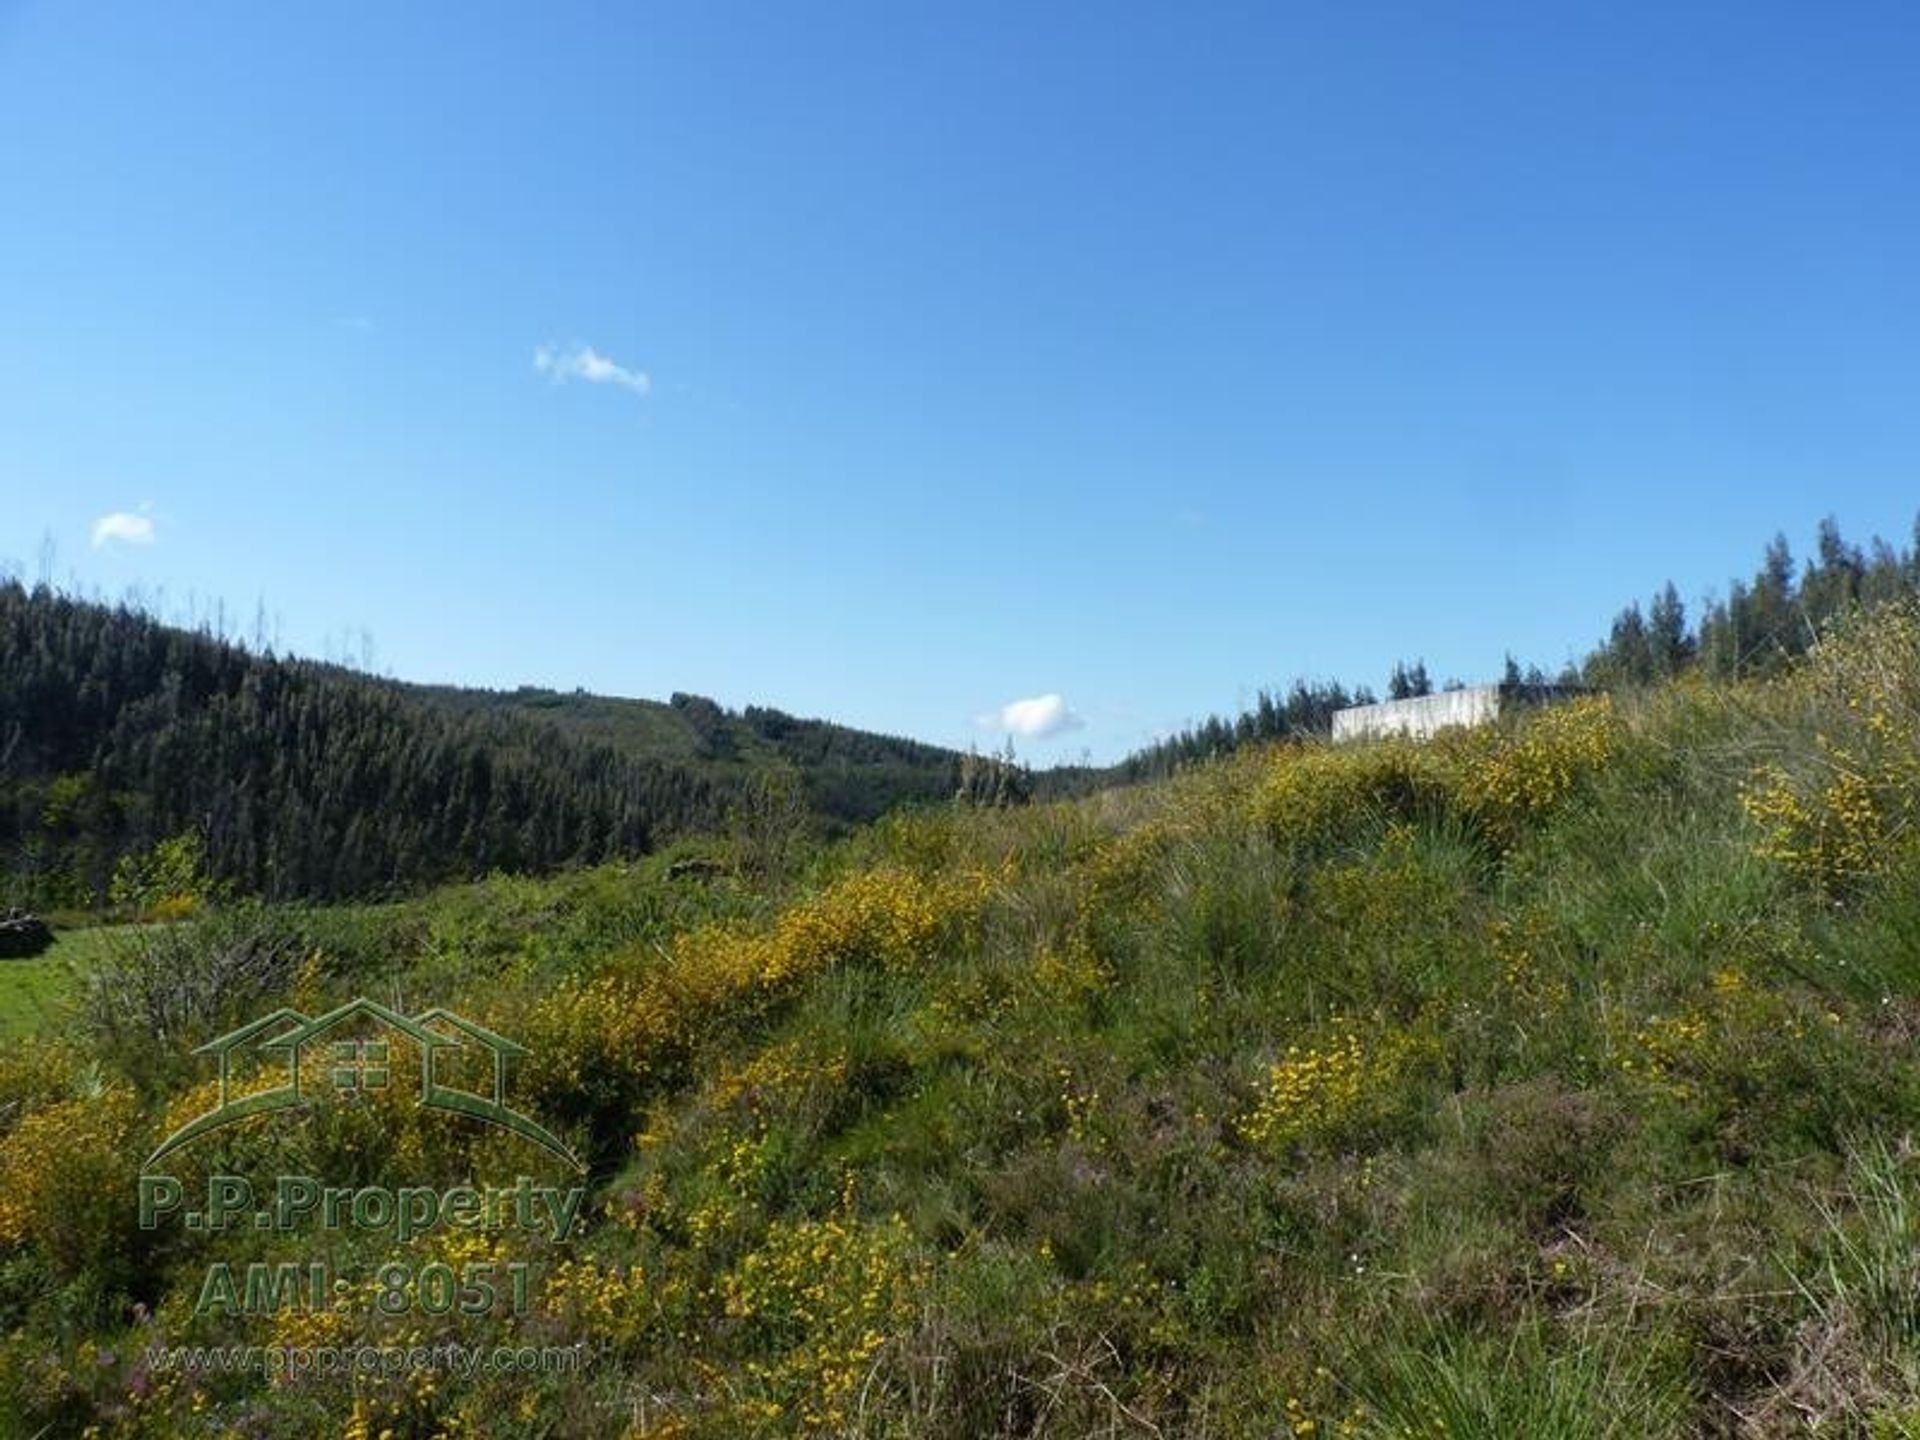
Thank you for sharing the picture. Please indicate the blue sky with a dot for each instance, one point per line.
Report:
(905, 361)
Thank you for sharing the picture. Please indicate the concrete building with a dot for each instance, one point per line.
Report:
(1426, 715)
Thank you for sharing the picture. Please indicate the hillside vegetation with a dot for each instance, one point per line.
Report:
(119, 734)
(1552, 1079)
(1756, 629)
(845, 776)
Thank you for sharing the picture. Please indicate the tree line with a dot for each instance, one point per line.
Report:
(1760, 625)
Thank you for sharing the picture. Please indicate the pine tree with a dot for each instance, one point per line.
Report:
(1670, 646)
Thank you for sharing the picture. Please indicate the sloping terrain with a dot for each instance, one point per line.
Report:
(1553, 1079)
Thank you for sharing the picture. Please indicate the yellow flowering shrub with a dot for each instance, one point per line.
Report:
(1115, 866)
(386, 1125)
(727, 1204)
(1832, 831)
(1839, 812)
(34, 1073)
(777, 1076)
(1081, 1102)
(607, 1303)
(1501, 778)
(1391, 890)
(824, 1297)
(629, 1020)
(1071, 971)
(1351, 1077)
(65, 1180)
(1727, 1046)
(333, 1324)
(1310, 794)
(1505, 779)
(1517, 943)
(197, 1100)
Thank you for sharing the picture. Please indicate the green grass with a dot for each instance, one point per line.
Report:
(29, 990)
(34, 994)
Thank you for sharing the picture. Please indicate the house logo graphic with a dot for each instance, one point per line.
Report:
(301, 1045)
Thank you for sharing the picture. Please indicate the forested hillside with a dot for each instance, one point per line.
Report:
(848, 776)
(117, 731)
(307, 779)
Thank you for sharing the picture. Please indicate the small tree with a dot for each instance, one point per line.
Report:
(993, 780)
(770, 824)
(1408, 683)
(1667, 633)
(167, 882)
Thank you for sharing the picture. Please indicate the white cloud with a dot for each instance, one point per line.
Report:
(583, 362)
(124, 526)
(1039, 718)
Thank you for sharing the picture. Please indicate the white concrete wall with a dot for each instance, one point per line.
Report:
(1419, 717)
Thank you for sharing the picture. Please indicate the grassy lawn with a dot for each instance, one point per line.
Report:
(31, 991)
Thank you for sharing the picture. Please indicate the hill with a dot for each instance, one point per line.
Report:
(1552, 1079)
(848, 776)
(120, 734)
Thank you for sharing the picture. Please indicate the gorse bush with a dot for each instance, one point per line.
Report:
(36, 1072)
(1312, 795)
(62, 1183)
(1508, 779)
(1498, 779)
(601, 1043)
(1347, 1079)
(1841, 810)
(823, 1297)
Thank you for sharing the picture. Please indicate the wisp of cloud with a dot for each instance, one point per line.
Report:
(124, 526)
(583, 362)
